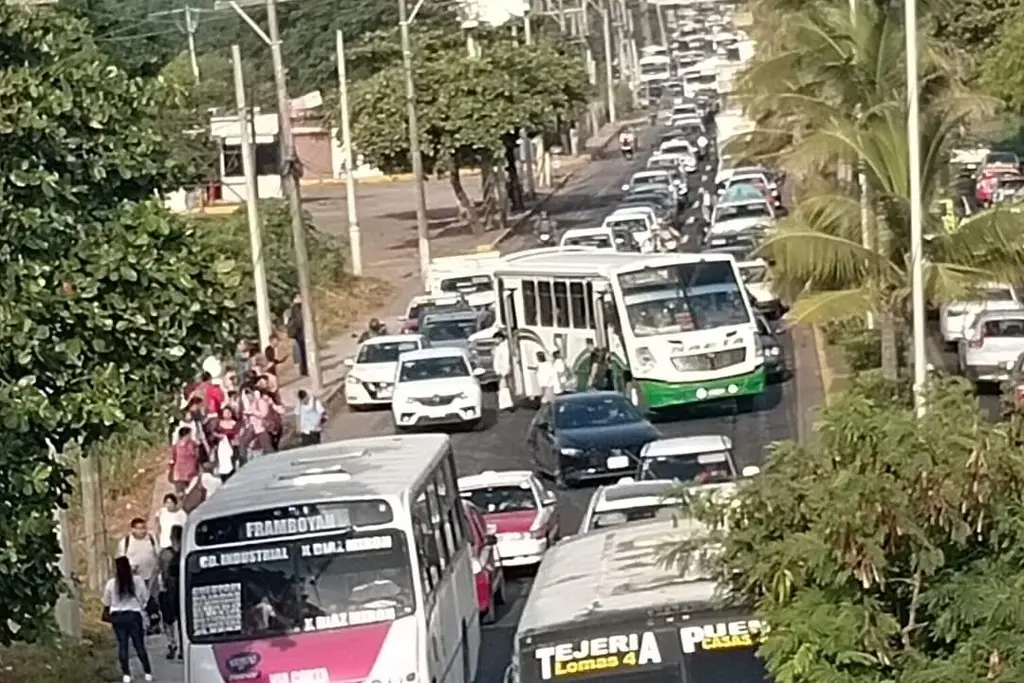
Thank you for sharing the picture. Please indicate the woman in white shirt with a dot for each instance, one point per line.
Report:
(124, 602)
(547, 380)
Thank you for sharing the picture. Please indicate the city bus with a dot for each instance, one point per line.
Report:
(655, 68)
(602, 610)
(677, 328)
(346, 561)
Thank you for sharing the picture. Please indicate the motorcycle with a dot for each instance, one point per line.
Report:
(627, 152)
(545, 239)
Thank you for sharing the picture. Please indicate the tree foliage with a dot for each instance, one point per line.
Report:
(973, 25)
(465, 105)
(891, 550)
(106, 299)
(1002, 66)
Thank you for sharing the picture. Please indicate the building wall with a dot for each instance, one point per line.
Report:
(313, 147)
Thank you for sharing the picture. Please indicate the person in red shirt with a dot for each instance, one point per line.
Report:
(211, 393)
(184, 463)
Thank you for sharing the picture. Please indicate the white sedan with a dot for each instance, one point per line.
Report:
(436, 386)
(371, 375)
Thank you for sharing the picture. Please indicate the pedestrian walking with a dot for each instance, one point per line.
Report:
(227, 433)
(502, 362)
(141, 549)
(296, 332)
(169, 516)
(311, 416)
(547, 381)
(124, 602)
(564, 381)
(184, 462)
(170, 571)
(258, 409)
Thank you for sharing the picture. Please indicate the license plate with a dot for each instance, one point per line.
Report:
(618, 462)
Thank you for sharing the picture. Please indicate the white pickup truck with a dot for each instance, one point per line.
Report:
(469, 275)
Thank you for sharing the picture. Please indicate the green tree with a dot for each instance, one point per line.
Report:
(1002, 65)
(890, 550)
(465, 106)
(106, 300)
(973, 25)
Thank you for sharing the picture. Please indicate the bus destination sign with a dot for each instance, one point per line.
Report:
(295, 520)
(639, 649)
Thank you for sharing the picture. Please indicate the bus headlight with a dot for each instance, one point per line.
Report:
(645, 358)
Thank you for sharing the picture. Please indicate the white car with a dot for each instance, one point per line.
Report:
(606, 237)
(518, 510)
(681, 149)
(697, 459)
(371, 372)
(731, 218)
(956, 317)
(436, 386)
(640, 225)
(631, 501)
(757, 278)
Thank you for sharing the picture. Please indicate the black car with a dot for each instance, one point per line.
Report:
(588, 435)
(774, 356)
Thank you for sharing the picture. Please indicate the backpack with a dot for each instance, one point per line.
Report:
(128, 539)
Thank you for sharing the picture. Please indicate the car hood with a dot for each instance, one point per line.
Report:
(510, 522)
(426, 388)
(627, 436)
(740, 224)
(374, 372)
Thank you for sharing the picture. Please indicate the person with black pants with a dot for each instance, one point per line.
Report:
(124, 602)
(297, 333)
(170, 570)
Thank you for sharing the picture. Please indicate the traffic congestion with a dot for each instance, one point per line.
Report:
(513, 450)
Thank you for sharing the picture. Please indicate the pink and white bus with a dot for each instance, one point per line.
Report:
(339, 563)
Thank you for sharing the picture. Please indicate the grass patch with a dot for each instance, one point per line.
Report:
(92, 660)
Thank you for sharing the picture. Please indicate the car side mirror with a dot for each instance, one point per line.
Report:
(349, 362)
(549, 499)
(1009, 365)
(478, 372)
(490, 539)
(750, 471)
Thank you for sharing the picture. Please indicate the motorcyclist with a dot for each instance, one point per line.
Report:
(627, 140)
(375, 328)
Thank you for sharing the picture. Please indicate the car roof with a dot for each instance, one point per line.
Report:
(391, 339)
(651, 172)
(622, 495)
(433, 352)
(686, 445)
(999, 315)
(494, 478)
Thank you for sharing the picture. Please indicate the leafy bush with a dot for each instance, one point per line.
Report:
(862, 349)
(229, 236)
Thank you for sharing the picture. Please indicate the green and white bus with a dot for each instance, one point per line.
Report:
(678, 328)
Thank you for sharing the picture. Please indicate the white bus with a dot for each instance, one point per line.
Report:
(678, 328)
(655, 68)
(347, 561)
(701, 76)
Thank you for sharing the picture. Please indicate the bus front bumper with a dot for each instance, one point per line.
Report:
(659, 394)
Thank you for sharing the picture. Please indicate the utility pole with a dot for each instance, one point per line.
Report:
(290, 178)
(606, 27)
(191, 18)
(68, 610)
(423, 237)
(661, 24)
(645, 24)
(252, 205)
(355, 239)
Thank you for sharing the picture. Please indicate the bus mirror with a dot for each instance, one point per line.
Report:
(490, 539)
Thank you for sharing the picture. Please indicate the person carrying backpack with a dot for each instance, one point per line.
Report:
(140, 548)
(170, 589)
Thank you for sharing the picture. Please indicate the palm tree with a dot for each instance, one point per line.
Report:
(834, 93)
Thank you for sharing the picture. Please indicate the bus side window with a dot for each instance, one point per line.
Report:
(444, 553)
(458, 517)
(591, 318)
(561, 305)
(611, 316)
(544, 302)
(529, 302)
(448, 501)
(426, 549)
(578, 306)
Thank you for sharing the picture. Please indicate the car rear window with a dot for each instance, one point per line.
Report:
(1013, 327)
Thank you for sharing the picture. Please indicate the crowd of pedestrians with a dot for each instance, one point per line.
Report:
(229, 415)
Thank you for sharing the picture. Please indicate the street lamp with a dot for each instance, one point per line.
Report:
(916, 227)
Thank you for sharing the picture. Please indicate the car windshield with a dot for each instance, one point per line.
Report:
(384, 352)
(603, 520)
(448, 330)
(690, 130)
(581, 412)
(743, 192)
(739, 249)
(654, 69)
(659, 179)
(676, 149)
(682, 298)
(469, 284)
(662, 163)
(441, 367)
(726, 212)
(598, 241)
(502, 498)
(1001, 158)
(313, 584)
(703, 468)
(631, 224)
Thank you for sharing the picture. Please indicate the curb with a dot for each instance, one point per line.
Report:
(539, 206)
(824, 371)
(372, 180)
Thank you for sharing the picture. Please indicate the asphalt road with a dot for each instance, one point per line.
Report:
(499, 442)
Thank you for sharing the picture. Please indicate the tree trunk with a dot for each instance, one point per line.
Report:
(501, 190)
(890, 347)
(465, 204)
(92, 517)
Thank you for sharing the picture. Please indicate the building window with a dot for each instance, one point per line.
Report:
(267, 160)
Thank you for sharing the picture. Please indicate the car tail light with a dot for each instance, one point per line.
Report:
(538, 533)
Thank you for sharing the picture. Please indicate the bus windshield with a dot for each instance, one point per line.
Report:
(683, 298)
(298, 585)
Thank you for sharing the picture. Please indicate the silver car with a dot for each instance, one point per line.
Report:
(991, 346)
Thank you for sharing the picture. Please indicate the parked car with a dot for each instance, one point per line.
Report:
(518, 510)
(588, 436)
(991, 346)
(487, 567)
(371, 372)
(421, 304)
(956, 317)
(434, 387)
